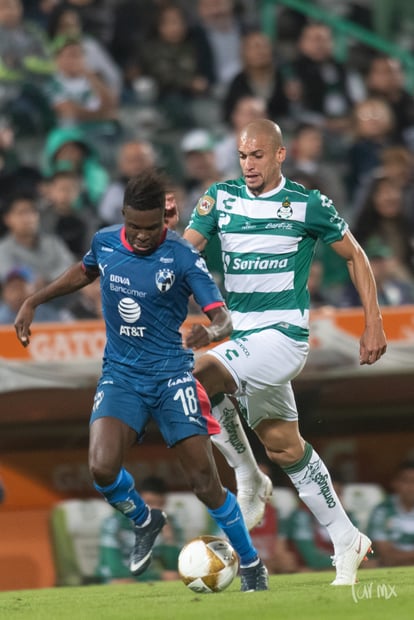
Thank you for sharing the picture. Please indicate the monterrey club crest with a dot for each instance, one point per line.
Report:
(205, 204)
(164, 279)
(285, 211)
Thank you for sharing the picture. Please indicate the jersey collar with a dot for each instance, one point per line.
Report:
(270, 192)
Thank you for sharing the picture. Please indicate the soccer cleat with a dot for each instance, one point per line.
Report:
(254, 578)
(252, 500)
(144, 541)
(347, 563)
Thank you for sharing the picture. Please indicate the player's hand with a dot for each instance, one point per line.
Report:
(171, 218)
(373, 343)
(22, 323)
(199, 336)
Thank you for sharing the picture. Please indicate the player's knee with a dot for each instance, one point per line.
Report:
(213, 376)
(102, 473)
(205, 487)
(286, 455)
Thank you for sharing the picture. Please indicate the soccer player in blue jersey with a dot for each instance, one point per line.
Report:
(268, 227)
(147, 274)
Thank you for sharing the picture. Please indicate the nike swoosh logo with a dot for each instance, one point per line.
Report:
(358, 550)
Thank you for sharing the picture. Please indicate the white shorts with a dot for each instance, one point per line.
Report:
(263, 365)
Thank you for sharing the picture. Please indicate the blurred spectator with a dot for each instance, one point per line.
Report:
(65, 20)
(97, 18)
(382, 216)
(25, 63)
(200, 169)
(77, 95)
(306, 155)
(392, 289)
(67, 214)
(219, 30)
(373, 129)
(16, 173)
(170, 56)
(68, 148)
(9, 159)
(260, 76)
(385, 79)
(398, 164)
(133, 157)
(38, 11)
(309, 539)
(47, 256)
(18, 284)
(133, 21)
(321, 87)
(391, 525)
(247, 109)
(318, 295)
(117, 540)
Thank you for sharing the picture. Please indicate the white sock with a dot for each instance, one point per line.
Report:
(234, 445)
(314, 485)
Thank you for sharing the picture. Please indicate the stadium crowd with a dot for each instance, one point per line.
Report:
(92, 92)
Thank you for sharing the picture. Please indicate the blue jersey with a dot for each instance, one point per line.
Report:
(145, 300)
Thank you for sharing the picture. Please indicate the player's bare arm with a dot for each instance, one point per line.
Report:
(373, 342)
(195, 238)
(219, 329)
(70, 281)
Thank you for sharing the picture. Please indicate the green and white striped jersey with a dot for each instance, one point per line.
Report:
(390, 522)
(267, 245)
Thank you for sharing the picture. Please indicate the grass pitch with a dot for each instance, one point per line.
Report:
(381, 594)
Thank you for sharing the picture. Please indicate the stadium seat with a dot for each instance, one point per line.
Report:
(360, 498)
(75, 528)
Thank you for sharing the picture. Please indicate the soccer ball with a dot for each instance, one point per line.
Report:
(208, 564)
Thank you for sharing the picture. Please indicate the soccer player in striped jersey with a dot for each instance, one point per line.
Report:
(268, 227)
(147, 274)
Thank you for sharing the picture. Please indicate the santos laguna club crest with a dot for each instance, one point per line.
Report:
(164, 279)
(285, 211)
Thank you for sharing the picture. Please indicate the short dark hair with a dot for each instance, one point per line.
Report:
(19, 196)
(146, 191)
(404, 465)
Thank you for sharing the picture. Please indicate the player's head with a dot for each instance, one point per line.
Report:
(154, 492)
(403, 483)
(261, 154)
(143, 211)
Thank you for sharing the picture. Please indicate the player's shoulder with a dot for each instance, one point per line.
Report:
(231, 186)
(230, 189)
(107, 237)
(108, 232)
(298, 190)
(311, 197)
(180, 245)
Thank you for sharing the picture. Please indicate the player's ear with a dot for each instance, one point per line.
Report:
(281, 154)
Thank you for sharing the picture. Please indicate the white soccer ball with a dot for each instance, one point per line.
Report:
(208, 564)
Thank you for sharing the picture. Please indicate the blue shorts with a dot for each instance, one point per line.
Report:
(179, 405)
